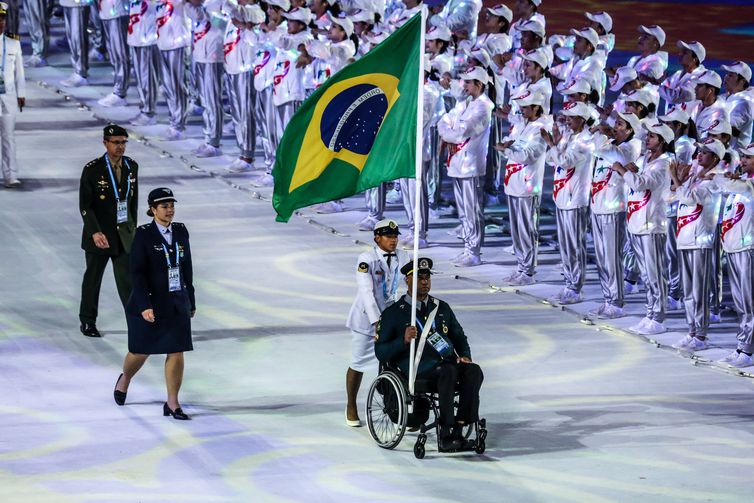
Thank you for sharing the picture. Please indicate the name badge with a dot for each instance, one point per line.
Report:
(122, 211)
(2, 84)
(174, 279)
(438, 342)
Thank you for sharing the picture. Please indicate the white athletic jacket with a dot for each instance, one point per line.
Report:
(608, 191)
(288, 81)
(378, 287)
(698, 210)
(679, 87)
(172, 25)
(334, 56)
(573, 161)
(741, 110)
(264, 56)
(467, 126)
(208, 23)
(738, 214)
(645, 203)
(142, 25)
(526, 158)
(707, 117)
(238, 49)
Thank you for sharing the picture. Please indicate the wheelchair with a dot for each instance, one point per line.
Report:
(388, 418)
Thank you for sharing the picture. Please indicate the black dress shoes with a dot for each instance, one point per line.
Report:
(119, 396)
(448, 443)
(177, 413)
(90, 330)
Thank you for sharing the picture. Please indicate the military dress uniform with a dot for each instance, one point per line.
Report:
(101, 191)
(155, 254)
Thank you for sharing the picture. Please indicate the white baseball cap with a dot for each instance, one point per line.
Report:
(475, 73)
(655, 31)
(343, 22)
(439, 33)
(589, 34)
(695, 47)
(482, 56)
(283, 4)
(501, 10)
(603, 18)
(748, 150)
(534, 26)
(740, 68)
(632, 120)
(710, 78)
(301, 14)
(363, 16)
(660, 129)
(442, 65)
(253, 13)
(637, 95)
(530, 98)
(538, 56)
(714, 146)
(719, 126)
(577, 109)
(676, 114)
(623, 76)
(575, 86)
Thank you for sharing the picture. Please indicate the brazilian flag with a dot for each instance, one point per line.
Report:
(356, 131)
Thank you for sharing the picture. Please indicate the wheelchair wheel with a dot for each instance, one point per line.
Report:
(386, 410)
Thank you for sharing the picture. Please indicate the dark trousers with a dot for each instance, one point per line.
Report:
(467, 378)
(95, 269)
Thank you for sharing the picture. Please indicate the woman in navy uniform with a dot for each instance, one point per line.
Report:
(162, 302)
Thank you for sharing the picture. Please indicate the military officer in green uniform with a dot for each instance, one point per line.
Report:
(445, 356)
(108, 199)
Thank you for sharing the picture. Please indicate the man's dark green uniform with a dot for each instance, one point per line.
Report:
(98, 206)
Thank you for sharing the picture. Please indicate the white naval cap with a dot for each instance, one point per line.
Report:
(539, 56)
(740, 68)
(475, 73)
(660, 129)
(655, 31)
(589, 34)
(530, 98)
(283, 4)
(301, 14)
(577, 109)
(676, 114)
(575, 86)
(710, 78)
(632, 120)
(342, 21)
(386, 227)
(623, 76)
(713, 145)
(441, 32)
(501, 10)
(603, 18)
(534, 26)
(696, 47)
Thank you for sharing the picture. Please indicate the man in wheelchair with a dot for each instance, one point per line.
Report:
(445, 358)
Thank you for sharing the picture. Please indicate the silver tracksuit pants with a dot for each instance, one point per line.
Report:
(695, 267)
(649, 250)
(242, 102)
(210, 79)
(95, 30)
(8, 144)
(741, 277)
(675, 286)
(630, 263)
(264, 112)
(468, 193)
(173, 79)
(35, 12)
(716, 278)
(116, 31)
(283, 114)
(145, 67)
(76, 19)
(375, 201)
(524, 222)
(408, 189)
(572, 226)
(609, 236)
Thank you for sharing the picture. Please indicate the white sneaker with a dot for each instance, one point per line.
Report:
(143, 120)
(557, 298)
(611, 312)
(732, 356)
(266, 180)
(394, 196)
(696, 344)
(715, 318)
(640, 326)
(408, 243)
(570, 297)
(35, 62)
(13, 183)
(683, 343)
(239, 165)
(95, 55)
(112, 100)
(509, 249)
(653, 328)
(206, 150)
(75, 80)
(523, 280)
(368, 223)
(174, 134)
(329, 207)
(456, 231)
(629, 288)
(741, 360)
(194, 109)
(458, 257)
(597, 311)
(673, 304)
(468, 261)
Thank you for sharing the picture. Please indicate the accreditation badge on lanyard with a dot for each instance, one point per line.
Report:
(391, 296)
(121, 207)
(2, 69)
(174, 271)
(436, 340)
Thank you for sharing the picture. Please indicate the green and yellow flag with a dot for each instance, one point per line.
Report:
(356, 131)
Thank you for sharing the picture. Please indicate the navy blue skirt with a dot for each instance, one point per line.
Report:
(168, 334)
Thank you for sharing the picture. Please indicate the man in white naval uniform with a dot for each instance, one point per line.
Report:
(377, 277)
(12, 100)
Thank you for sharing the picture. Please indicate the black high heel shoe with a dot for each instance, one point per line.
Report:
(119, 396)
(177, 413)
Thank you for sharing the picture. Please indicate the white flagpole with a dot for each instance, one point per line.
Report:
(417, 195)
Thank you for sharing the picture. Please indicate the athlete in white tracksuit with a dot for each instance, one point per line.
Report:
(114, 16)
(76, 14)
(608, 209)
(142, 38)
(698, 209)
(173, 39)
(35, 15)
(572, 160)
(466, 130)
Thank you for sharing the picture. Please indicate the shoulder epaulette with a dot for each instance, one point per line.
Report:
(178, 224)
(145, 226)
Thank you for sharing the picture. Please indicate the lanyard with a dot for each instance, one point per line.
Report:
(3, 65)
(110, 170)
(393, 286)
(421, 327)
(167, 255)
